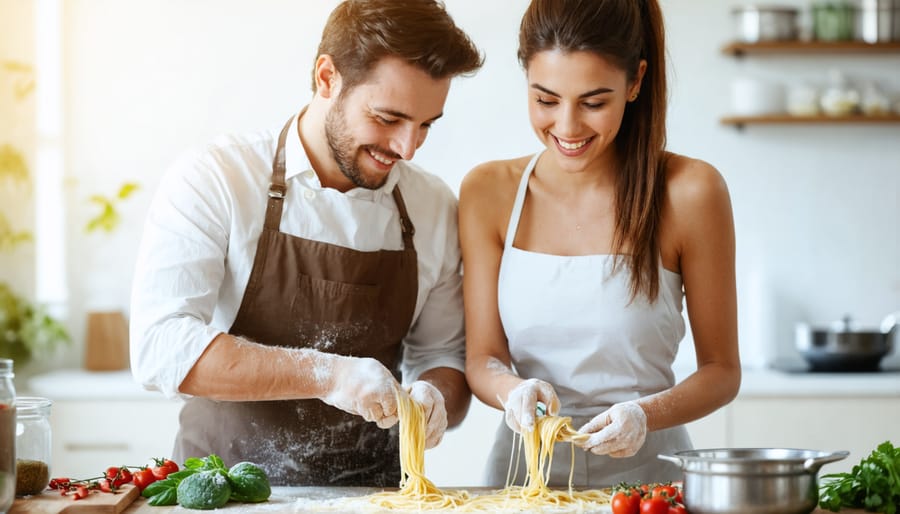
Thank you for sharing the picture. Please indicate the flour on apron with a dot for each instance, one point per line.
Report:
(309, 294)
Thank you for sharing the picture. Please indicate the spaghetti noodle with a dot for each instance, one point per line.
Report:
(418, 493)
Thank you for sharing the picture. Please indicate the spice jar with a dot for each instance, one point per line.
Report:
(32, 444)
(7, 435)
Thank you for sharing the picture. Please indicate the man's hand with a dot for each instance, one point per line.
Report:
(620, 431)
(522, 402)
(432, 402)
(364, 387)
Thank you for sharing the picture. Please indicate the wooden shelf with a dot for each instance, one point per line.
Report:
(739, 49)
(786, 119)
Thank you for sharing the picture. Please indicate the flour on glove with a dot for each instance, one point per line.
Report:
(521, 404)
(432, 402)
(364, 387)
(620, 431)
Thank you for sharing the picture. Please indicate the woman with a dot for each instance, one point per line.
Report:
(577, 259)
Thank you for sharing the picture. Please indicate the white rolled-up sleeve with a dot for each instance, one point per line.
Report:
(178, 274)
(437, 337)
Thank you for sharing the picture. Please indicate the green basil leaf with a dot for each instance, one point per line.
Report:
(158, 487)
(166, 497)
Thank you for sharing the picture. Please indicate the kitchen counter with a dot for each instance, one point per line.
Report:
(316, 499)
(112, 385)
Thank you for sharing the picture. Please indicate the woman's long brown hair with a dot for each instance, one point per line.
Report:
(624, 32)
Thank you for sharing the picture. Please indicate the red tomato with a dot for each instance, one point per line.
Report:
(655, 506)
(163, 467)
(143, 477)
(677, 509)
(59, 483)
(104, 485)
(665, 491)
(118, 475)
(626, 503)
(80, 492)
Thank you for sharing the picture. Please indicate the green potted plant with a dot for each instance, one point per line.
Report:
(26, 329)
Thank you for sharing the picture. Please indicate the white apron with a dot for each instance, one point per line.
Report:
(568, 322)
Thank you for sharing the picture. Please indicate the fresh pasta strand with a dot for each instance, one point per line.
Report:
(418, 493)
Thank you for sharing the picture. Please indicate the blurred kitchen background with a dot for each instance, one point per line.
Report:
(98, 97)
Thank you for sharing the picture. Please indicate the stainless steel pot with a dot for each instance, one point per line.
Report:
(844, 347)
(754, 23)
(751, 480)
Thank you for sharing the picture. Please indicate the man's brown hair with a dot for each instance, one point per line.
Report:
(359, 33)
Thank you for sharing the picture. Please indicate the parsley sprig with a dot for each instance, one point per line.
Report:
(873, 484)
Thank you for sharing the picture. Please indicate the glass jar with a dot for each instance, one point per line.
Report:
(32, 444)
(7, 435)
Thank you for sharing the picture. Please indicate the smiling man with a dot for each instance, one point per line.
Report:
(282, 287)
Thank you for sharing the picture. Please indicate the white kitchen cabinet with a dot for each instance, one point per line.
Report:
(90, 435)
(711, 431)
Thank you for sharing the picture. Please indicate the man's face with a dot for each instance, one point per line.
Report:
(382, 120)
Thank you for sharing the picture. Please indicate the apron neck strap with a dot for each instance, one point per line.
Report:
(278, 188)
(405, 224)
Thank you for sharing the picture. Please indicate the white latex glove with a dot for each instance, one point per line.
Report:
(620, 431)
(432, 402)
(522, 401)
(364, 387)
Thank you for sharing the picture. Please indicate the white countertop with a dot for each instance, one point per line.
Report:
(76, 384)
(79, 384)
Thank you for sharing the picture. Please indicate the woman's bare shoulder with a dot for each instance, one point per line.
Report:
(691, 181)
(493, 180)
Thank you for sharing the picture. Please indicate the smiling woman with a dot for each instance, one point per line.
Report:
(578, 258)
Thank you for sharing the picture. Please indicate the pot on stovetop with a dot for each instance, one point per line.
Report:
(845, 347)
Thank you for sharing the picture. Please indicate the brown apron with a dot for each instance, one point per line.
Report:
(309, 294)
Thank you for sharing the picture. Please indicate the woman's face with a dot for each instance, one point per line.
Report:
(575, 102)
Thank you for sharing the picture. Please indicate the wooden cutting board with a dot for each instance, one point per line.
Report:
(51, 502)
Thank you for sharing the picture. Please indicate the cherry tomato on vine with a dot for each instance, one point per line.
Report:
(677, 509)
(143, 477)
(163, 467)
(665, 491)
(118, 475)
(80, 493)
(626, 502)
(655, 506)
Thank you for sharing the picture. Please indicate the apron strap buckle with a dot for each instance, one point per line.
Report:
(277, 191)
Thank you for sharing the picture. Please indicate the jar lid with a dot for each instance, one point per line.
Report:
(31, 404)
(6, 368)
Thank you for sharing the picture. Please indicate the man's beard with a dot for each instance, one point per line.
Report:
(343, 149)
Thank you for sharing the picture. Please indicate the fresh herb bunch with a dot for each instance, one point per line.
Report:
(244, 482)
(873, 484)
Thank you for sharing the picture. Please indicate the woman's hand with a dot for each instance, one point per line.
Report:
(521, 403)
(620, 431)
(432, 401)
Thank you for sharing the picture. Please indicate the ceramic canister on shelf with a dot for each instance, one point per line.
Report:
(878, 21)
(757, 97)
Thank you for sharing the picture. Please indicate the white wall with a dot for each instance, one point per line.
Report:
(816, 207)
(17, 128)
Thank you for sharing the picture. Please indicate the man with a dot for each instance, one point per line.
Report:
(283, 277)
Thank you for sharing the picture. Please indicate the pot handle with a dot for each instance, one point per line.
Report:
(815, 463)
(671, 458)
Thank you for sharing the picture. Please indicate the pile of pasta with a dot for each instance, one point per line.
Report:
(418, 493)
